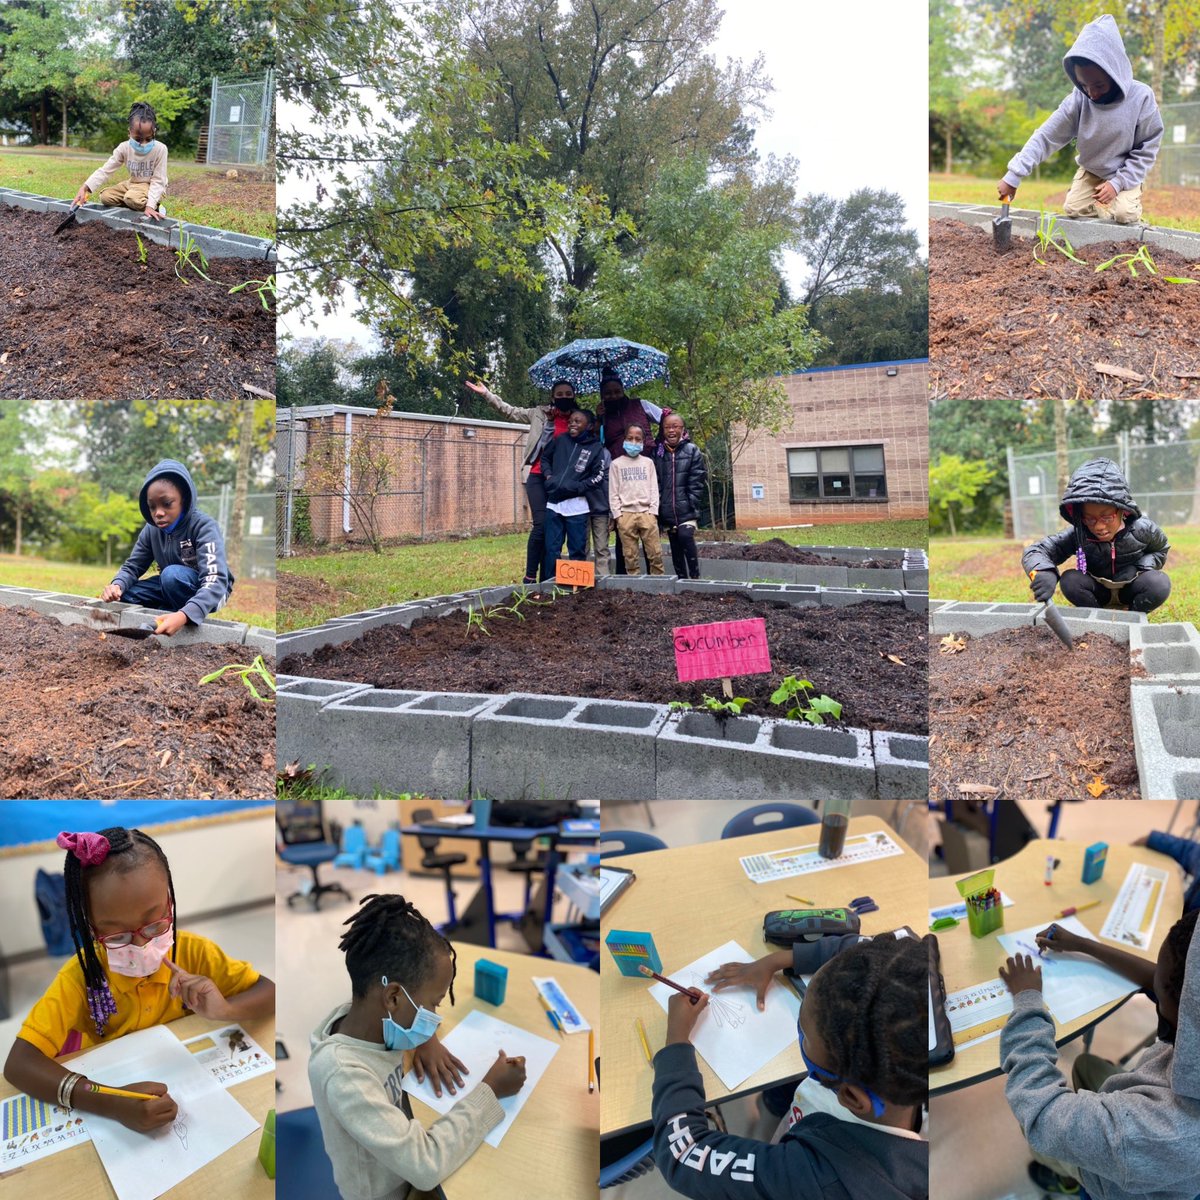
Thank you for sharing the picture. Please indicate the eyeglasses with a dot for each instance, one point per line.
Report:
(149, 932)
(829, 1077)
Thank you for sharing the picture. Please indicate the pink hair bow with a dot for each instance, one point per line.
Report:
(90, 848)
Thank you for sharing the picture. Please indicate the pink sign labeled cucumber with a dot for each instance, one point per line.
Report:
(721, 650)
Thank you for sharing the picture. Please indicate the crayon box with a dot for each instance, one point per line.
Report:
(985, 910)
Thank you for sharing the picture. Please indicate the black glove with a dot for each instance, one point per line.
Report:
(1044, 584)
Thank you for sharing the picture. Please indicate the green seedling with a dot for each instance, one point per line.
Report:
(187, 255)
(262, 288)
(804, 705)
(1141, 259)
(247, 673)
(141, 248)
(724, 709)
(1050, 237)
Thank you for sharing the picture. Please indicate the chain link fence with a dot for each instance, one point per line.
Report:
(257, 559)
(349, 476)
(239, 120)
(1179, 155)
(1164, 479)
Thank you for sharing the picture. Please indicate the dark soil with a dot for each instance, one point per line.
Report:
(295, 592)
(617, 645)
(86, 716)
(776, 550)
(81, 315)
(1016, 712)
(1001, 325)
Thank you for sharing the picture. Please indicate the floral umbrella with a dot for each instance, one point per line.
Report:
(581, 362)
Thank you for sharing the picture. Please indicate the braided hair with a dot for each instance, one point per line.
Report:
(141, 111)
(128, 849)
(1179, 938)
(387, 935)
(872, 1016)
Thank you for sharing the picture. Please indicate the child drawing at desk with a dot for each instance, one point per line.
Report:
(863, 1029)
(400, 970)
(1122, 1133)
(132, 970)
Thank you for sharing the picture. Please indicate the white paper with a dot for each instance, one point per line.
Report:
(805, 860)
(477, 1039)
(732, 1036)
(141, 1166)
(1134, 913)
(230, 1055)
(978, 1004)
(1073, 984)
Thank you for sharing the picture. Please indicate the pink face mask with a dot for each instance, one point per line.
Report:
(140, 961)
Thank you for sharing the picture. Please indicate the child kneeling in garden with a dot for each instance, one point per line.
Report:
(1119, 554)
(146, 160)
(194, 579)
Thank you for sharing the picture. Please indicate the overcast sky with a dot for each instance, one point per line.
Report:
(850, 103)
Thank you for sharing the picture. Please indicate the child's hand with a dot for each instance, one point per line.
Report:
(1021, 974)
(1006, 190)
(475, 387)
(506, 1076)
(171, 624)
(1106, 193)
(143, 1116)
(111, 592)
(153, 212)
(81, 195)
(199, 993)
(757, 975)
(433, 1059)
(1063, 940)
(1043, 585)
(682, 1014)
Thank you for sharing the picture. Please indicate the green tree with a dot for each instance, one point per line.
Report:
(871, 325)
(703, 285)
(17, 445)
(951, 73)
(954, 480)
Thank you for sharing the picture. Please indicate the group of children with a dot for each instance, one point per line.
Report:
(587, 473)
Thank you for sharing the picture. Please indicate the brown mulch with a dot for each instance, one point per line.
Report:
(92, 717)
(81, 315)
(617, 645)
(297, 592)
(1001, 325)
(776, 550)
(1014, 711)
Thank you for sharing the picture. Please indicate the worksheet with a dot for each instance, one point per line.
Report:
(141, 1166)
(1073, 984)
(1134, 912)
(732, 1036)
(983, 1006)
(477, 1039)
(33, 1129)
(230, 1055)
(805, 860)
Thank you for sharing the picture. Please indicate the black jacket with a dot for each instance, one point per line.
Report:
(820, 1157)
(1139, 546)
(682, 478)
(577, 467)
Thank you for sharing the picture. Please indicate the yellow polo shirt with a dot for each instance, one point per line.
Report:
(59, 1023)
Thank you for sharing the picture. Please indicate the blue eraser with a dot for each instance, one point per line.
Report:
(1093, 862)
(491, 981)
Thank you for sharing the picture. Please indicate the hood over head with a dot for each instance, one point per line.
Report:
(1098, 481)
(178, 474)
(1099, 41)
(1185, 1067)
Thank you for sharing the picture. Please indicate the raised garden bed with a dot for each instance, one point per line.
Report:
(80, 314)
(776, 550)
(86, 715)
(826, 566)
(1001, 325)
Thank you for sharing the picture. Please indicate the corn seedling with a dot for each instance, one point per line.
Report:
(805, 706)
(262, 287)
(475, 620)
(1050, 237)
(187, 255)
(141, 248)
(1141, 259)
(247, 673)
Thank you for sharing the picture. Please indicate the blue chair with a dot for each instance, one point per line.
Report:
(354, 848)
(302, 832)
(630, 841)
(639, 1161)
(387, 856)
(763, 818)
(303, 1169)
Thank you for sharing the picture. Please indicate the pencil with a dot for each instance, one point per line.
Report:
(1070, 912)
(641, 1032)
(694, 993)
(798, 899)
(111, 1091)
(555, 1019)
(591, 1060)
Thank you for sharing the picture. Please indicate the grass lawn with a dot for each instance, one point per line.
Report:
(989, 569)
(253, 599)
(1171, 208)
(197, 193)
(350, 581)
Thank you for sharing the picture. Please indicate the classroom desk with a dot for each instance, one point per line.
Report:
(968, 960)
(78, 1174)
(552, 1148)
(695, 898)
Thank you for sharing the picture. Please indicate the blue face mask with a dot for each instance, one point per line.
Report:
(140, 149)
(396, 1037)
(633, 449)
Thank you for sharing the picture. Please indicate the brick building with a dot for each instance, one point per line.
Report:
(856, 448)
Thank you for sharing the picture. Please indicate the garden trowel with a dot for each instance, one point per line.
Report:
(1056, 623)
(1002, 229)
(68, 218)
(138, 632)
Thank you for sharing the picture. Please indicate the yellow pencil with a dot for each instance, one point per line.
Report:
(555, 1019)
(641, 1030)
(109, 1091)
(798, 899)
(1078, 908)
(591, 1060)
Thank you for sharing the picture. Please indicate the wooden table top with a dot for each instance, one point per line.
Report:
(695, 898)
(553, 1147)
(968, 960)
(78, 1174)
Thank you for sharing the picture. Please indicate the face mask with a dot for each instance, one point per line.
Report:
(140, 149)
(396, 1037)
(564, 404)
(140, 961)
(633, 449)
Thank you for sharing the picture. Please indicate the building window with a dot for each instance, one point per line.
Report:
(835, 473)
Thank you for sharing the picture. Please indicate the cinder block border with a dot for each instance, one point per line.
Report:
(1168, 653)
(909, 572)
(1166, 738)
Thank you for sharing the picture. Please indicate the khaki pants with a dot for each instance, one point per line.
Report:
(1087, 1074)
(633, 528)
(598, 532)
(1126, 209)
(126, 195)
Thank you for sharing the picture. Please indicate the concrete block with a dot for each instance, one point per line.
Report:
(65, 608)
(840, 597)
(260, 641)
(19, 597)
(916, 601)
(212, 632)
(1168, 652)
(528, 747)
(1166, 737)
(316, 637)
(915, 579)
(738, 570)
(980, 619)
(298, 702)
(656, 585)
(381, 740)
(710, 587)
(1181, 241)
(875, 577)
(745, 758)
(901, 765)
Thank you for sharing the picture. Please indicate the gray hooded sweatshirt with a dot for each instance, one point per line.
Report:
(1138, 1137)
(1118, 142)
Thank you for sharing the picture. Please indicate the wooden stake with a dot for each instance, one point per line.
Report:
(727, 688)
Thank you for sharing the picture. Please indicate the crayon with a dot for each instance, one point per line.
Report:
(1070, 912)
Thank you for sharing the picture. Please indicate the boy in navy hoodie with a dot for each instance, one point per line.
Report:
(574, 467)
(194, 579)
